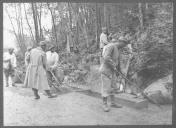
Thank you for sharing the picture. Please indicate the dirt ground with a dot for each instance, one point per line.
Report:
(74, 108)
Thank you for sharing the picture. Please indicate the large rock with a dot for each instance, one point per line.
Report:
(159, 92)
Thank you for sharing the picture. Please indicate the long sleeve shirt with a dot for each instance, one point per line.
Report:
(52, 59)
(27, 56)
(103, 40)
(110, 56)
(9, 59)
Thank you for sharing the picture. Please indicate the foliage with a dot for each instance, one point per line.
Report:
(80, 24)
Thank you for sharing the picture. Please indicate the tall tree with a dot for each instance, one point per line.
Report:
(141, 17)
(34, 12)
(53, 22)
(27, 20)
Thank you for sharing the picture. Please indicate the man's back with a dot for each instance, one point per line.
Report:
(52, 58)
(110, 52)
(36, 56)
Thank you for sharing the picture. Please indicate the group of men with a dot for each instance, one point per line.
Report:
(40, 64)
(110, 51)
(39, 68)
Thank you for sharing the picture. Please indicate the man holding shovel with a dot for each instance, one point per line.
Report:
(37, 79)
(108, 66)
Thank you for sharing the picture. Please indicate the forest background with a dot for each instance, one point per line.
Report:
(75, 29)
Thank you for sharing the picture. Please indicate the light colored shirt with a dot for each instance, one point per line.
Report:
(103, 40)
(52, 59)
(110, 56)
(12, 59)
(27, 56)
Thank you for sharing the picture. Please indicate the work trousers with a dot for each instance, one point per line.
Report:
(108, 85)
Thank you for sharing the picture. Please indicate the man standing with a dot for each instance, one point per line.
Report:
(27, 62)
(110, 61)
(52, 61)
(9, 65)
(27, 53)
(103, 38)
(37, 79)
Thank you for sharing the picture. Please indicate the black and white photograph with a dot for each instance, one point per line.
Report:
(87, 63)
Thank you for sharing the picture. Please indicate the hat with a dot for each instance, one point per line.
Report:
(104, 29)
(42, 43)
(52, 46)
(114, 40)
(29, 48)
(121, 38)
(11, 48)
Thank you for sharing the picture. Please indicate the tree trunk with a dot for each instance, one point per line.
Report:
(105, 16)
(84, 28)
(70, 33)
(141, 19)
(16, 35)
(98, 24)
(30, 29)
(108, 16)
(22, 28)
(20, 35)
(77, 26)
(54, 25)
(39, 22)
(146, 6)
(70, 16)
(35, 23)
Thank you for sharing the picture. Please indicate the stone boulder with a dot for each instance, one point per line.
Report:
(159, 92)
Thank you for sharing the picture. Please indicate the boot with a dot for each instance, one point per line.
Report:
(105, 104)
(49, 94)
(36, 93)
(13, 84)
(113, 104)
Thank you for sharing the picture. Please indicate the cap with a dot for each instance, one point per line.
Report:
(114, 40)
(42, 43)
(121, 38)
(104, 29)
(29, 48)
(11, 48)
(51, 46)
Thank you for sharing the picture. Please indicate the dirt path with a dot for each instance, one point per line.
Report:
(73, 108)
